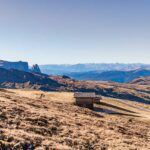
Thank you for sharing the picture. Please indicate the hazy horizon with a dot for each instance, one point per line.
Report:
(17, 60)
(72, 32)
(96, 63)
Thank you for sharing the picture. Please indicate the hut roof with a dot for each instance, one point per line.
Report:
(84, 95)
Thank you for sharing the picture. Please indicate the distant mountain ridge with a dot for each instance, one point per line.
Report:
(101, 67)
(122, 73)
(116, 72)
(115, 76)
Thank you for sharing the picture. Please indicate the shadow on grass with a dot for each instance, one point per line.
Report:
(107, 111)
(116, 107)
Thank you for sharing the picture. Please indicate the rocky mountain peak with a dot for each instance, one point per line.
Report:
(35, 68)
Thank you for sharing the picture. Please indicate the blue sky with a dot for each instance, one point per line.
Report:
(75, 31)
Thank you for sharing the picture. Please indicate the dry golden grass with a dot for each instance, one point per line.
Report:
(64, 97)
(50, 120)
(113, 104)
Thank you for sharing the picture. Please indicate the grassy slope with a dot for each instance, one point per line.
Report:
(27, 119)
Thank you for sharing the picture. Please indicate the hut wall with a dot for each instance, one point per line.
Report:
(85, 102)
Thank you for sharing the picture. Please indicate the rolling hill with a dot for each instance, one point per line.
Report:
(141, 81)
(133, 92)
(19, 79)
(115, 76)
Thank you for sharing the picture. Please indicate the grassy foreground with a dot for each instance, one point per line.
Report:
(50, 120)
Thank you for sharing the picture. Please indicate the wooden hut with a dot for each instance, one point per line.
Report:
(86, 99)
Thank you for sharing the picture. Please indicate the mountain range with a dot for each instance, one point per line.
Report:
(115, 76)
(88, 67)
(118, 72)
(16, 79)
(115, 72)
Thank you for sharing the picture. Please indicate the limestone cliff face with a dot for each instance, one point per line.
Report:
(35, 68)
(23, 66)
